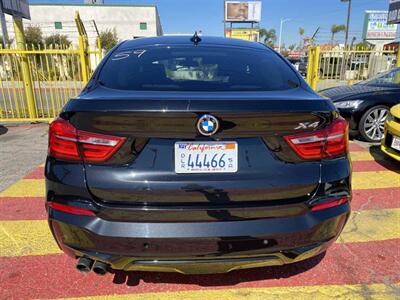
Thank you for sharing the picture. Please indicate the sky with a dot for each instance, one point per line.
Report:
(187, 16)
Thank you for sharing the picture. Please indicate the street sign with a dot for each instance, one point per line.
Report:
(394, 12)
(16, 8)
(376, 26)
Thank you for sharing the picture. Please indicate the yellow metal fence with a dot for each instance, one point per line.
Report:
(333, 67)
(55, 76)
(35, 84)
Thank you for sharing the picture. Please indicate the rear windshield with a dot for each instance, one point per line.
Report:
(197, 68)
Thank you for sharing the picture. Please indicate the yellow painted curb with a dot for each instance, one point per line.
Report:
(25, 188)
(375, 180)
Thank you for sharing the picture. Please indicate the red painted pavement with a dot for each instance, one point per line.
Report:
(375, 199)
(355, 147)
(37, 173)
(22, 208)
(55, 276)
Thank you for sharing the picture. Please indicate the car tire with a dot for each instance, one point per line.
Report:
(371, 125)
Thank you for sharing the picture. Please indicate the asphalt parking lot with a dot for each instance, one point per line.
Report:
(363, 264)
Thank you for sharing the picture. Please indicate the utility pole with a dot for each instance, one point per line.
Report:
(344, 59)
(4, 32)
(348, 22)
(224, 20)
(280, 33)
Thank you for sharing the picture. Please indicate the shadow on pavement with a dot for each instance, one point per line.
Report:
(384, 160)
(3, 130)
(228, 279)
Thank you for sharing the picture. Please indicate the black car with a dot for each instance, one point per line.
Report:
(366, 104)
(199, 155)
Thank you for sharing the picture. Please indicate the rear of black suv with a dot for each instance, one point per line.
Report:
(196, 158)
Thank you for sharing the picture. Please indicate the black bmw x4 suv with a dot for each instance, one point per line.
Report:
(200, 155)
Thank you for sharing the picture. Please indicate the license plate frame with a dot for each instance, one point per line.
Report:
(205, 151)
(395, 143)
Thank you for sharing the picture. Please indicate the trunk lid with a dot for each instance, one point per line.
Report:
(142, 172)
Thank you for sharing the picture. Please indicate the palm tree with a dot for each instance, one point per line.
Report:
(336, 29)
(301, 33)
(268, 37)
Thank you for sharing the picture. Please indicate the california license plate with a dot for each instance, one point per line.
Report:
(206, 157)
(396, 143)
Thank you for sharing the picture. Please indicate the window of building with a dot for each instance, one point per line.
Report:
(143, 26)
(58, 25)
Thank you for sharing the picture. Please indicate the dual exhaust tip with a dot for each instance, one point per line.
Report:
(86, 264)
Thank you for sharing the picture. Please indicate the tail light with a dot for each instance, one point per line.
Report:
(74, 210)
(329, 204)
(66, 142)
(326, 143)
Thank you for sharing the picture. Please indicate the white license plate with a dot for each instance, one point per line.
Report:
(206, 157)
(396, 143)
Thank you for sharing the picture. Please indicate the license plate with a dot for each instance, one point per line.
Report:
(206, 157)
(396, 143)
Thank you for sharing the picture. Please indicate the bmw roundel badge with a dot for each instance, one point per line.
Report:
(207, 125)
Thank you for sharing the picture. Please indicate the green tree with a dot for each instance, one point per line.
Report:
(33, 37)
(268, 37)
(292, 47)
(336, 29)
(108, 39)
(57, 41)
(363, 46)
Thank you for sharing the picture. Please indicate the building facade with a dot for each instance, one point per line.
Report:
(129, 21)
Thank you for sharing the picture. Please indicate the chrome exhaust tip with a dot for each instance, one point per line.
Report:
(100, 268)
(84, 264)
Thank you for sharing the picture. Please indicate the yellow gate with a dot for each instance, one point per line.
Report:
(329, 66)
(35, 84)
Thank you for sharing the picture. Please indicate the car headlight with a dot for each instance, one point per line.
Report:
(348, 104)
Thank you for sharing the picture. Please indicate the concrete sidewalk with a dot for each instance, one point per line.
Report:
(22, 148)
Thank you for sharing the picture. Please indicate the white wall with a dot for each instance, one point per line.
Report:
(125, 19)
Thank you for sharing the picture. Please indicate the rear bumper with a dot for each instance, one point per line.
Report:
(202, 247)
(207, 265)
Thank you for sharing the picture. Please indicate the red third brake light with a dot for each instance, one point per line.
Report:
(66, 142)
(326, 143)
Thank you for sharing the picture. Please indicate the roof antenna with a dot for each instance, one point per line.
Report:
(195, 38)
